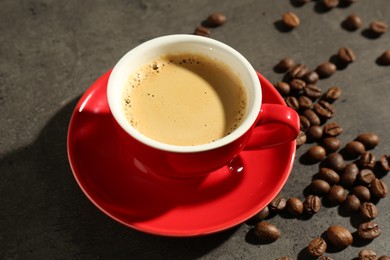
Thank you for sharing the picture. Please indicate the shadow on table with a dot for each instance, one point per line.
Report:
(45, 214)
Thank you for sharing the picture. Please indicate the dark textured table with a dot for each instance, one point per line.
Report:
(52, 51)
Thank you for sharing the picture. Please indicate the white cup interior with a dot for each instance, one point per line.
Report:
(150, 50)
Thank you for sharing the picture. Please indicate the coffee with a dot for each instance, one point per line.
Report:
(185, 99)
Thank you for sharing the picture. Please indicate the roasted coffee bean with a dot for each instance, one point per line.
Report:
(278, 204)
(301, 138)
(325, 258)
(297, 85)
(362, 192)
(336, 194)
(267, 231)
(385, 162)
(332, 94)
(346, 55)
(355, 148)
(304, 123)
(365, 176)
(324, 109)
(290, 19)
(384, 59)
(330, 3)
(335, 162)
(298, 71)
(216, 19)
(384, 257)
(202, 31)
(353, 22)
(368, 211)
(311, 77)
(294, 206)
(312, 204)
(370, 140)
(339, 236)
(304, 103)
(352, 203)
(326, 69)
(316, 153)
(369, 230)
(331, 144)
(328, 175)
(317, 247)
(332, 129)
(367, 160)
(349, 175)
(312, 91)
(283, 88)
(378, 188)
(312, 116)
(319, 187)
(263, 214)
(314, 133)
(285, 65)
(292, 102)
(367, 254)
(378, 27)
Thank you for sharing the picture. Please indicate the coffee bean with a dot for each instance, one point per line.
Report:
(346, 55)
(304, 103)
(317, 247)
(267, 231)
(298, 71)
(378, 27)
(332, 129)
(304, 123)
(292, 102)
(368, 211)
(294, 206)
(301, 138)
(319, 187)
(355, 148)
(339, 236)
(378, 188)
(362, 192)
(349, 175)
(202, 31)
(384, 257)
(312, 204)
(316, 153)
(353, 22)
(324, 109)
(278, 204)
(326, 69)
(314, 133)
(328, 175)
(336, 194)
(367, 254)
(352, 203)
(325, 258)
(384, 59)
(369, 230)
(283, 88)
(263, 214)
(331, 144)
(335, 162)
(332, 94)
(290, 19)
(285, 65)
(385, 162)
(311, 77)
(312, 116)
(367, 160)
(216, 19)
(330, 3)
(370, 140)
(365, 176)
(297, 85)
(312, 91)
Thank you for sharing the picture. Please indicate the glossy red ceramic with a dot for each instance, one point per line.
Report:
(127, 191)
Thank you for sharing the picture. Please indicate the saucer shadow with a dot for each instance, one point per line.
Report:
(282, 27)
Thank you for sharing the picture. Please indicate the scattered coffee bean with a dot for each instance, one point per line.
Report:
(325, 258)
(378, 188)
(346, 55)
(319, 187)
(202, 31)
(378, 27)
(349, 175)
(312, 116)
(314, 133)
(339, 236)
(385, 162)
(304, 123)
(384, 59)
(297, 85)
(312, 204)
(353, 22)
(368, 211)
(216, 19)
(368, 230)
(337, 194)
(298, 71)
(365, 176)
(384, 257)
(352, 203)
(326, 69)
(324, 109)
(311, 77)
(332, 129)
(285, 65)
(335, 162)
(367, 254)
(304, 103)
(331, 144)
(362, 192)
(312, 91)
(330, 3)
(316, 153)
(370, 140)
(283, 88)
(329, 175)
(290, 19)
(332, 94)
(294, 206)
(317, 247)
(367, 160)
(267, 231)
(278, 204)
(263, 214)
(355, 148)
(292, 102)
(301, 138)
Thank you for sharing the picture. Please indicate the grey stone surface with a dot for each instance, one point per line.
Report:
(52, 51)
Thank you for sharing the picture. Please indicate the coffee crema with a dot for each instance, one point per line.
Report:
(184, 99)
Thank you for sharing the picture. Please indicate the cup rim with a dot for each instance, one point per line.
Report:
(115, 106)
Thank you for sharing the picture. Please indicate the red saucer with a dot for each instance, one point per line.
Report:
(167, 206)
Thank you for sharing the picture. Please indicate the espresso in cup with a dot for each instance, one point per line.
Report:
(184, 99)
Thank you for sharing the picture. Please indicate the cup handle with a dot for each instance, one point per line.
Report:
(277, 124)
